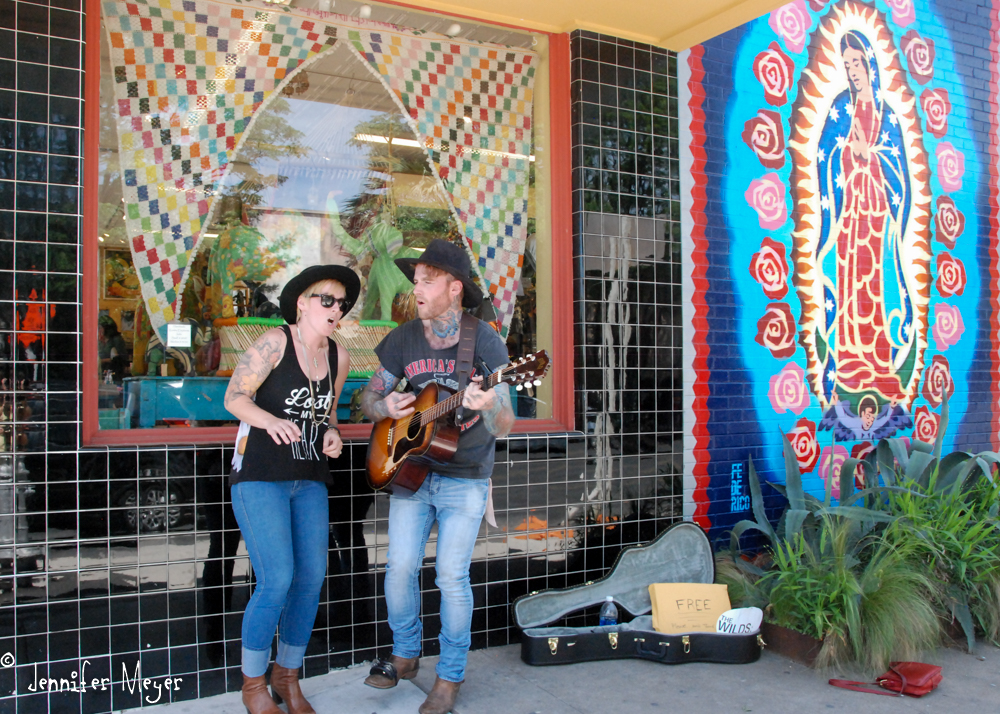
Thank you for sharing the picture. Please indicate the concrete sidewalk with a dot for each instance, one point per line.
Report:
(497, 681)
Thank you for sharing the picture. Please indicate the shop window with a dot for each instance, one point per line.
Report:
(329, 171)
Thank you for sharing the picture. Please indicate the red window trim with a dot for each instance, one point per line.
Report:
(561, 355)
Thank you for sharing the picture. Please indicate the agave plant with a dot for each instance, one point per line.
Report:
(804, 512)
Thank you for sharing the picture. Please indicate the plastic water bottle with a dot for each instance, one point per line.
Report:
(609, 613)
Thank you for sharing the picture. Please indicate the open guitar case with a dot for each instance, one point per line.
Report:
(681, 554)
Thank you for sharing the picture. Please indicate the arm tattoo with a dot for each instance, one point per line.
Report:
(379, 386)
(382, 382)
(255, 365)
(499, 418)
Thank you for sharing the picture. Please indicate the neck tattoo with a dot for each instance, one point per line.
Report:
(309, 378)
(447, 325)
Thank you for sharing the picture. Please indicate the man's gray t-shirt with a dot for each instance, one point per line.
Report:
(405, 353)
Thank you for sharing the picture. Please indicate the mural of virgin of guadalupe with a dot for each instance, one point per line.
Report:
(865, 197)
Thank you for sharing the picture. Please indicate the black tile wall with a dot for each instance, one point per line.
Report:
(115, 558)
(627, 277)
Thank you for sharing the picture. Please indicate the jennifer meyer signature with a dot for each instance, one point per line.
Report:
(77, 681)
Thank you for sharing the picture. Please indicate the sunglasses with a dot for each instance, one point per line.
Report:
(343, 304)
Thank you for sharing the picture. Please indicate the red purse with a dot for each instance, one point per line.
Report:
(913, 678)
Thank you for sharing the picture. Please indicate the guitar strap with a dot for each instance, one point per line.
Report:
(466, 351)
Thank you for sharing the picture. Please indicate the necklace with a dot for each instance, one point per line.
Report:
(312, 397)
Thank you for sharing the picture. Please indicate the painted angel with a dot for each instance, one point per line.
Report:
(870, 423)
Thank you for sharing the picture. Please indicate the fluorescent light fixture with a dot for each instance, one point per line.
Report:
(211, 235)
(375, 139)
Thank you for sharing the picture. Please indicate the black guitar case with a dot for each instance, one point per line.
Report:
(681, 554)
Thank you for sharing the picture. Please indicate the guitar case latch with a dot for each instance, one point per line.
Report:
(553, 644)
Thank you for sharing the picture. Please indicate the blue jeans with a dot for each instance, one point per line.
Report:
(457, 504)
(286, 526)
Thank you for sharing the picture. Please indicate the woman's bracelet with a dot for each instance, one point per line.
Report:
(336, 429)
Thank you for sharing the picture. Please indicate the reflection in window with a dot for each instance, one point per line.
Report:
(329, 172)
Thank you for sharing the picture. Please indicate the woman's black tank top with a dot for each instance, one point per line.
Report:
(285, 394)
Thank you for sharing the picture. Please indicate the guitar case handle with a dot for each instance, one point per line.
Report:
(653, 651)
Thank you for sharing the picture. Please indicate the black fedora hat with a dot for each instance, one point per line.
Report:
(452, 259)
(314, 274)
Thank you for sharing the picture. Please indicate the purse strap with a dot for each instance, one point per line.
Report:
(463, 360)
(865, 687)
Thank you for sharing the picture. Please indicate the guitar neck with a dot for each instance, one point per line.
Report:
(446, 406)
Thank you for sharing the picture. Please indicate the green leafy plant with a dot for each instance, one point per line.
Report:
(854, 591)
(959, 552)
(945, 511)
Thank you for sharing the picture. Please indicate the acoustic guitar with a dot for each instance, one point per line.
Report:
(402, 451)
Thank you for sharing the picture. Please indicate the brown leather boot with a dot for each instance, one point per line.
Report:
(386, 673)
(285, 688)
(256, 698)
(441, 698)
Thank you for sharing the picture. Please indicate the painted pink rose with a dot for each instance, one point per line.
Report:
(937, 107)
(937, 381)
(919, 53)
(765, 135)
(803, 441)
(830, 462)
(951, 275)
(776, 330)
(774, 70)
(949, 222)
(925, 424)
(902, 11)
(861, 451)
(948, 326)
(791, 23)
(766, 196)
(770, 268)
(950, 166)
(788, 392)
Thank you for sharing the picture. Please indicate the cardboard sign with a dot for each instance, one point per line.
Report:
(680, 608)
(743, 621)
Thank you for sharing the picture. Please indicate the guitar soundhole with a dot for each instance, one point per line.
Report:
(413, 427)
(406, 442)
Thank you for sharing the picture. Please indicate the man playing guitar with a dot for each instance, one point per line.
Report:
(454, 493)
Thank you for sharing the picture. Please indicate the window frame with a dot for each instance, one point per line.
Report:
(561, 353)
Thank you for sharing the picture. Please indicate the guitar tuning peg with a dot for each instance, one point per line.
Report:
(519, 387)
(537, 382)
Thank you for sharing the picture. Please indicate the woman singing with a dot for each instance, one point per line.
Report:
(284, 391)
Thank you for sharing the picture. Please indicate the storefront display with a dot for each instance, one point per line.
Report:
(239, 146)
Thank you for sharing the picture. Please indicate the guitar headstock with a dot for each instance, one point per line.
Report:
(527, 371)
